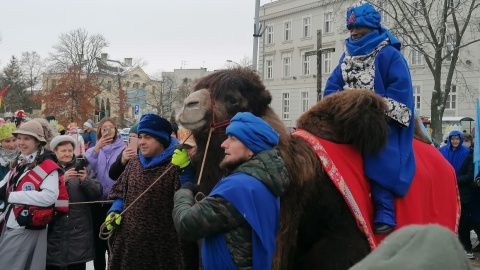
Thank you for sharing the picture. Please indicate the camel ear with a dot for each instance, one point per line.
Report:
(361, 120)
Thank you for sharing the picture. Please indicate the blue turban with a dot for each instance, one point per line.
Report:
(363, 15)
(256, 134)
(157, 127)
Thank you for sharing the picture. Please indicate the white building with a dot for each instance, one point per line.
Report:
(291, 31)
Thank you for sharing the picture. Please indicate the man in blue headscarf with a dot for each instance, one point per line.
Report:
(239, 219)
(462, 161)
(373, 61)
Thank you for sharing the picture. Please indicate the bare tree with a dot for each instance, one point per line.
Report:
(164, 95)
(77, 48)
(441, 33)
(32, 66)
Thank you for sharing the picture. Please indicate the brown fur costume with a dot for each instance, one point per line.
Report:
(146, 238)
(317, 229)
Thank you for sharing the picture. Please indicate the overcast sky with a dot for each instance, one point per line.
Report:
(203, 33)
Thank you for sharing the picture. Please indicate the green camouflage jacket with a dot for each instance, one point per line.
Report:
(215, 215)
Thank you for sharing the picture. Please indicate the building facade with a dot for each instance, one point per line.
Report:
(291, 75)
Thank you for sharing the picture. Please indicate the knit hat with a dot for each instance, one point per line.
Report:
(363, 15)
(157, 127)
(417, 247)
(89, 123)
(6, 130)
(256, 134)
(183, 137)
(32, 128)
(134, 129)
(62, 138)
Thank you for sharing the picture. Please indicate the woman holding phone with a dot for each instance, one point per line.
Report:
(101, 157)
(70, 237)
(130, 151)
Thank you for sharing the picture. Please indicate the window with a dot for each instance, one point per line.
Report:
(416, 8)
(287, 63)
(450, 45)
(144, 85)
(269, 68)
(307, 26)
(328, 23)
(288, 30)
(270, 35)
(286, 106)
(383, 10)
(304, 102)
(451, 102)
(453, 3)
(327, 62)
(416, 57)
(416, 96)
(54, 83)
(136, 85)
(305, 64)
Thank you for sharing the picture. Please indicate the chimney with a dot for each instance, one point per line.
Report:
(104, 57)
(128, 62)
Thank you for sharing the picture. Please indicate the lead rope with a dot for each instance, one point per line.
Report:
(105, 235)
(200, 196)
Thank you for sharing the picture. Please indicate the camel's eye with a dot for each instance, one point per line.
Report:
(232, 101)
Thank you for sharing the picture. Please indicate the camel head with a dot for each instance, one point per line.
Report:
(349, 117)
(224, 93)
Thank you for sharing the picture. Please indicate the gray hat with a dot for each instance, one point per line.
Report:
(32, 128)
(62, 138)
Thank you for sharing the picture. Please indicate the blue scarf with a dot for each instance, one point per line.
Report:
(260, 208)
(150, 162)
(369, 42)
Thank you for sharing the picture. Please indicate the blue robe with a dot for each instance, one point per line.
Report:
(260, 208)
(394, 167)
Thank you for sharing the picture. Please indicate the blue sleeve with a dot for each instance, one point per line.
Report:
(188, 174)
(93, 139)
(117, 206)
(335, 81)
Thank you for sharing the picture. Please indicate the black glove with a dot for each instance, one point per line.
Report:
(194, 188)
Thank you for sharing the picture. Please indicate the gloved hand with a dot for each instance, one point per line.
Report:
(115, 216)
(194, 188)
(180, 158)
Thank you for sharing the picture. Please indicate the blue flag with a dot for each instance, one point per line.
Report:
(476, 149)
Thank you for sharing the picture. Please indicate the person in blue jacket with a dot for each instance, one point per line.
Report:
(461, 159)
(373, 61)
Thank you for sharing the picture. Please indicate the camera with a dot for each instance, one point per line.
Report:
(79, 163)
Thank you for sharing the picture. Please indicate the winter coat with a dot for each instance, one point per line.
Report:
(90, 137)
(146, 238)
(462, 161)
(117, 167)
(216, 215)
(70, 236)
(103, 160)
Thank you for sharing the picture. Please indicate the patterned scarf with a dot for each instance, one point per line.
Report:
(7, 156)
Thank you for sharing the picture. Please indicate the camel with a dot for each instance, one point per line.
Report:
(326, 213)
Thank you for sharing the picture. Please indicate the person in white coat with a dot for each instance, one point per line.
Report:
(30, 191)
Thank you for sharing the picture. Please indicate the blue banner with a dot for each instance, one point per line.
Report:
(476, 149)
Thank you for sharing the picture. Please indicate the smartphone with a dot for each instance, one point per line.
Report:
(106, 130)
(79, 164)
(132, 143)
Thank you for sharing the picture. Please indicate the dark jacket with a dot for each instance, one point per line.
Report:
(465, 179)
(117, 167)
(214, 215)
(70, 236)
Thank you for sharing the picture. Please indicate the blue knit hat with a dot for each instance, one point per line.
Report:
(157, 127)
(256, 134)
(363, 15)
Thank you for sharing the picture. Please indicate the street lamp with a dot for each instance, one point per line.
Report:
(230, 61)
